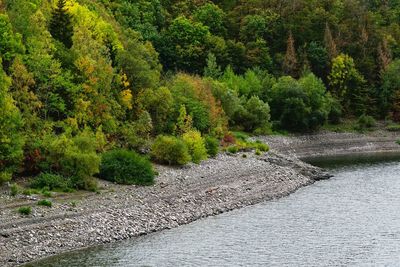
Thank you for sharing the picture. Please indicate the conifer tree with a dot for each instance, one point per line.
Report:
(212, 70)
(60, 24)
(330, 43)
(384, 56)
(290, 62)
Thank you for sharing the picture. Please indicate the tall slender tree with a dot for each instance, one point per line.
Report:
(330, 43)
(290, 63)
(384, 56)
(60, 25)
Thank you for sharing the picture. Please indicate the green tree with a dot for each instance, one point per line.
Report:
(212, 70)
(11, 139)
(347, 84)
(10, 43)
(389, 95)
(60, 25)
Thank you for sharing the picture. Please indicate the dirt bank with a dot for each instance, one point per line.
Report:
(334, 144)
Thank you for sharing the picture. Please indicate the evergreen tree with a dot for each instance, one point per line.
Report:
(60, 24)
(384, 56)
(290, 64)
(330, 43)
(212, 70)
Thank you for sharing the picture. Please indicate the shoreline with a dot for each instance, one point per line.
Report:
(180, 196)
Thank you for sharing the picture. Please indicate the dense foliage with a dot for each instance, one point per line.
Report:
(126, 167)
(79, 78)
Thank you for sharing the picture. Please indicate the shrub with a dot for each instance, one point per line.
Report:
(51, 182)
(212, 146)
(301, 105)
(260, 146)
(25, 210)
(73, 157)
(229, 139)
(45, 202)
(258, 152)
(365, 122)
(233, 149)
(195, 145)
(5, 176)
(14, 189)
(126, 167)
(170, 150)
(393, 128)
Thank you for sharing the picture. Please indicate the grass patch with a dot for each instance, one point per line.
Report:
(25, 210)
(14, 190)
(45, 202)
(393, 128)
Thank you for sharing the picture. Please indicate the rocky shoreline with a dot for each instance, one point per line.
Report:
(180, 196)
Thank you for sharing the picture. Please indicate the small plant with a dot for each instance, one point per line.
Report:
(46, 193)
(29, 192)
(233, 149)
(73, 203)
(170, 150)
(229, 139)
(25, 210)
(398, 142)
(45, 202)
(261, 146)
(258, 152)
(14, 190)
(212, 146)
(126, 167)
(244, 156)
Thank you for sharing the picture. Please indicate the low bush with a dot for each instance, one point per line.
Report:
(25, 210)
(233, 149)
(51, 182)
(195, 145)
(212, 146)
(126, 167)
(170, 150)
(73, 157)
(45, 202)
(14, 190)
(365, 122)
(393, 128)
(5, 176)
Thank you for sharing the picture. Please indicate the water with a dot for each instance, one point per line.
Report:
(351, 220)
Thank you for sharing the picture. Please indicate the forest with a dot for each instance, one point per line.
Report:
(100, 88)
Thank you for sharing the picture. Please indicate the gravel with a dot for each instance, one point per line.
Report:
(180, 196)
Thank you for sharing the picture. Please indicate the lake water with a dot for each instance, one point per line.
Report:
(352, 219)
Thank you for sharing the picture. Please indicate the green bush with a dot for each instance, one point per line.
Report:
(51, 182)
(212, 146)
(170, 150)
(73, 157)
(302, 105)
(393, 128)
(233, 149)
(126, 167)
(45, 202)
(365, 122)
(25, 210)
(14, 189)
(260, 146)
(195, 145)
